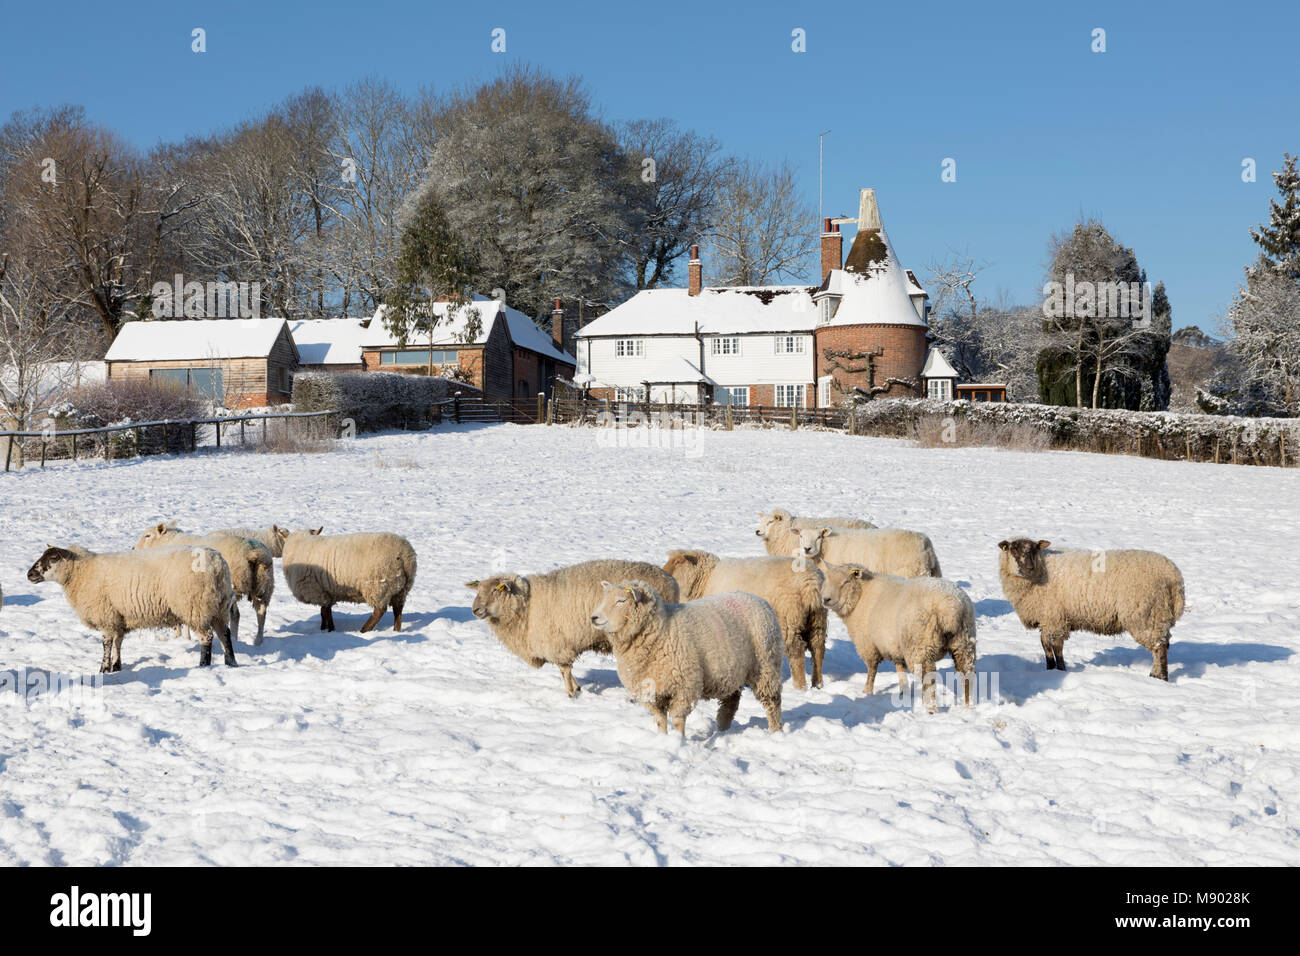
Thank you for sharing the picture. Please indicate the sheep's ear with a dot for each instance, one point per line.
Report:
(319, 530)
(161, 527)
(605, 585)
(1042, 545)
(855, 573)
(472, 585)
(1004, 545)
(825, 532)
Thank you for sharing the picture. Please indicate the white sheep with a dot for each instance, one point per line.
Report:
(794, 592)
(776, 529)
(377, 569)
(545, 618)
(161, 587)
(914, 622)
(907, 554)
(671, 656)
(1105, 592)
(270, 537)
(252, 572)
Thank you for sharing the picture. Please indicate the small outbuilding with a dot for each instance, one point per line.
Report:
(236, 363)
(329, 345)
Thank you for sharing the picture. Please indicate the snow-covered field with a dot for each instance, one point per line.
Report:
(437, 746)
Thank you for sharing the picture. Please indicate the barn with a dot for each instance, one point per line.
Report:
(237, 363)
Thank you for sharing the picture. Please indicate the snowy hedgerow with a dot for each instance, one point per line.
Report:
(374, 400)
(671, 656)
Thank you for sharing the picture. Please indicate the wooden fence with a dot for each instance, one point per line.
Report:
(591, 412)
(156, 438)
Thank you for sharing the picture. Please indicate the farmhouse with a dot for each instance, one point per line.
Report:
(494, 348)
(238, 363)
(863, 328)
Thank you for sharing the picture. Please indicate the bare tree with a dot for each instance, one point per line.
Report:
(679, 173)
(763, 232)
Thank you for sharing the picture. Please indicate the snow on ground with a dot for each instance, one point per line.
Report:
(436, 746)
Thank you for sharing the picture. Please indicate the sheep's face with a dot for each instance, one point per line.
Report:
(621, 606)
(157, 535)
(810, 542)
(500, 597)
(770, 524)
(842, 586)
(1027, 557)
(282, 534)
(51, 566)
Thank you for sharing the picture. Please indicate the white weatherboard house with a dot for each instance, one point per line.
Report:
(862, 329)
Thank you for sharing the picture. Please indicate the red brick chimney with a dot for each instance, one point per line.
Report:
(832, 247)
(695, 272)
(557, 326)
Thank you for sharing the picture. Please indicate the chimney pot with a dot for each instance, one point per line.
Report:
(695, 272)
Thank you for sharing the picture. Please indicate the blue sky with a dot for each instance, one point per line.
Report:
(1149, 135)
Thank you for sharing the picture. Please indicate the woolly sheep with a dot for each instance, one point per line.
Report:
(1105, 592)
(914, 622)
(252, 573)
(776, 529)
(793, 593)
(270, 537)
(671, 656)
(545, 618)
(377, 569)
(160, 587)
(907, 554)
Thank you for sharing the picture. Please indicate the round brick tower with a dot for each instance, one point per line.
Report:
(872, 330)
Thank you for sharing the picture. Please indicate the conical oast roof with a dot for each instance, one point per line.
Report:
(873, 286)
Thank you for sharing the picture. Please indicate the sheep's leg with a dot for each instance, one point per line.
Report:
(570, 685)
(327, 617)
(772, 707)
(928, 676)
(963, 658)
(817, 645)
(106, 665)
(1049, 649)
(1058, 649)
(234, 619)
(205, 649)
(658, 707)
(398, 604)
(904, 684)
(260, 610)
(227, 642)
(1160, 657)
(727, 710)
(373, 619)
(873, 661)
(794, 646)
(679, 710)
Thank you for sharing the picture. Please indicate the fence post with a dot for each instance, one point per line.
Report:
(241, 433)
(794, 417)
(74, 450)
(455, 408)
(263, 431)
(728, 419)
(42, 449)
(541, 406)
(136, 432)
(550, 411)
(9, 447)
(108, 446)
(218, 427)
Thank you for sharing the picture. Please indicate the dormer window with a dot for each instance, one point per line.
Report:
(826, 308)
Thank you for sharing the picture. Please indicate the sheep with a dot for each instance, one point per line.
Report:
(907, 554)
(269, 537)
(544, 618)
(252, 573)
(161, 587)
(377, 569)
(671, 656)
(776, 529)
(1105, 592)
(914, 622)
(794, 593)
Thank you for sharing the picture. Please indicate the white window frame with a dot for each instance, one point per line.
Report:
(939, 388)
(731, 389)
(725, 345)
(782, 394)
(824, 391)
(629, 348)
(788, 345)
(629, 393)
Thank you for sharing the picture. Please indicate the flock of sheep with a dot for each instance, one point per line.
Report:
(702, 627)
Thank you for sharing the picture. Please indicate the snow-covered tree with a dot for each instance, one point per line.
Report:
(1279, 241)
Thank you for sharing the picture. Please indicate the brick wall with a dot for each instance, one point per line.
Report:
(902, 349)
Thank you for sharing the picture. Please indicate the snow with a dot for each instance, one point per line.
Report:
(328, 341)
(936, 366)
(434, 745)
(717, 311)
(677, 371)
(198, 339)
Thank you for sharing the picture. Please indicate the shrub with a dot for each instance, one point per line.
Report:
(137, 400)
(374, 400)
